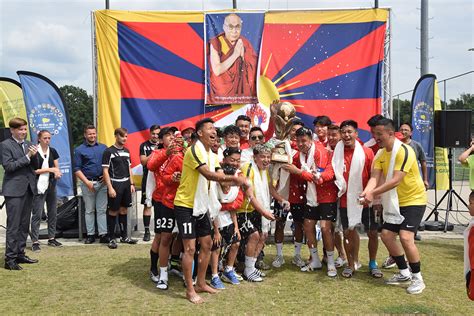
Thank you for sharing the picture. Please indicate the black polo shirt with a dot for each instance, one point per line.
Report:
(146, 148)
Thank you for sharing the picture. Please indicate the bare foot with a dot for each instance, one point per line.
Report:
(204, 288)
(194, 298)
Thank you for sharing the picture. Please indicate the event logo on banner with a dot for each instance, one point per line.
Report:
(424, 102)
(232, 45)
(46, 111)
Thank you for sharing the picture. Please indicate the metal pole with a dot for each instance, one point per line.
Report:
(376, 4)
(424, 49)
(107, 5)
(398, 111)
(444, 96)
(234, 4)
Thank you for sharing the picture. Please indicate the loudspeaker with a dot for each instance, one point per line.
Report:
(452, 128)
(4, 133)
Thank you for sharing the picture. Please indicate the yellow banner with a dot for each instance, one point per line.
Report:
(11, 100)
(441, 154)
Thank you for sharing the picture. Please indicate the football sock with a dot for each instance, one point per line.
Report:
(123, 225)
(415, 267)
(400, 261)
(314, 256)
(111, 225)
(298, 248)
(146, 222)
(154, 262)
(330, 255)
(164, 273)
(279, 247)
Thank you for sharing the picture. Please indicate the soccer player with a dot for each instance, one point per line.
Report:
(321, 124)
(404, 202)
(256, 137)
(118, 178)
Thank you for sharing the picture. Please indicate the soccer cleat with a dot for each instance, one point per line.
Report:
(416, 286)
(54, 243)
(332, 271)
(310, 267)
(253, 276)
(389, 263)
(217, 283)
(35, 247)
(230, 277)
(112, 244)
(278, 262)
(154, 277)
(128, 240)
(398, 279)
(162, 284)
(340, 262)
(298, 261)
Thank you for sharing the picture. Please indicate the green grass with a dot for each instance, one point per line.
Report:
(96, 280)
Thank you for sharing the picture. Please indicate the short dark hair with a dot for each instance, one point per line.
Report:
(88, 126)
(17, 122)
(243, 118)
(200, 123)
(298, 122)
(220, 132)
(372, 122)
(231, 129)
(154, 127)
(349, 123)
(121, 131)
(167, 130)
(322, 120)
(304, 131)
(409, 125)
(229, 151)
(255, 128)
(43, 131)
(387, 123)
(334, 127)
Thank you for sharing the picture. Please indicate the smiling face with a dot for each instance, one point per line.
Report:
(349, 136)
(232, 160)
(20, 132)
(208, 135)
(383, 136)
(91, 136)
(154, 136)
(232, 27)
(406, 132)
(263, 160)
(304, 143)
(244, 127)
(256, 138)
(231, 140)
(293, 130)
(321, 131)
(334, 136)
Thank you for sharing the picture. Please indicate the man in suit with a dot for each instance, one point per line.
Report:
(19, 186)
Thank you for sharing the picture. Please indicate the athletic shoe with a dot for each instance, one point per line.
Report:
(332, 271)
(260, 273)
(146, 236)
(154, 277)
(217, 283)
(253, 276)
(298, 261)
(238, 276)
(340, 262)
(398, 279)
(416, 286)
(262, 265)
(389, 263)
(418, 237)
(278, 262)
(175, 270)
(230, 277)
(104, 239)
(128, 240)
(112, 244)
(54, 243)
(35, 247)
(310, 267)
(162, 284)
(357, 266)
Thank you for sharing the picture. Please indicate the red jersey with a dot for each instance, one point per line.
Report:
(155, 163)
(173, 164)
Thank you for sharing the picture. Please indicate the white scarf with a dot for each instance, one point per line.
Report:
(205, 198)
(224, 218)
(354, 187)
(282, 175)
(391, 208)
(149, 188)
(467, 261)
(310, 166)
(43, 180)
(262, 192)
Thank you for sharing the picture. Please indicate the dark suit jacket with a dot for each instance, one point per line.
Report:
(19, 173)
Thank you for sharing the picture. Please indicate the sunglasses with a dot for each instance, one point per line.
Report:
(259, 137)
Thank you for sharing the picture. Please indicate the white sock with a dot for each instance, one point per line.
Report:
(314, 256)
(418, 276)
(215, 275)
(405, 272)
(164, 273)
(330, 255)
(229, 268)
(298, 248)
(279, 247)
(249, 264)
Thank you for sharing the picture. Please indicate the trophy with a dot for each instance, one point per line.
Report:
(284, 114)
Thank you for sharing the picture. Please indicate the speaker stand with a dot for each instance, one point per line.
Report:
(448, 194)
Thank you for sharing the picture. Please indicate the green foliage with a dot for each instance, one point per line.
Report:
(80, 108)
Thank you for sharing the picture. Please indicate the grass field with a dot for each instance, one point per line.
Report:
(96, 280)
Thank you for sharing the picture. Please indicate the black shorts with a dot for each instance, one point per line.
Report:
(156, 212)
(228, 236)
(165, 221)
(365, 217)
(123, 197)
(297, 212)
(189, 226)
(249, 222)
(324, 211)
(368, 219)
(413, 215)
(143, 200)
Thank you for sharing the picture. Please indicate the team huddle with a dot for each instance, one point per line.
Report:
(215, 193)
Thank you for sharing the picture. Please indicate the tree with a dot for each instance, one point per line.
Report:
(80, 108)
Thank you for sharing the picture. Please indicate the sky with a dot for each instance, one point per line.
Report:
(53, 37)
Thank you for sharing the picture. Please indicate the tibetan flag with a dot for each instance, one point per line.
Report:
(46, 110)
(425, 101)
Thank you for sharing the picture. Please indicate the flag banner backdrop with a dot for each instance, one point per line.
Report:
(425, 101)
(11, 100)
(46, 111)
(232, 49)
(151, 68)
